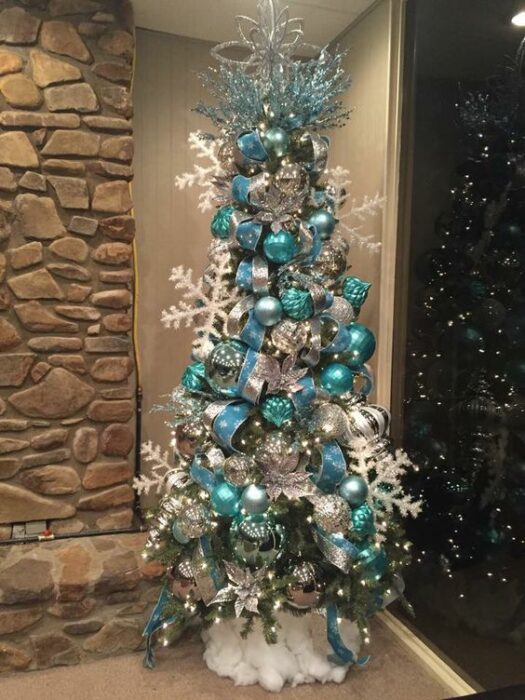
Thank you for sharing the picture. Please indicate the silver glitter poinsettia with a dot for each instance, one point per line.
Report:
(291, 485)
(244, 588)
(287, 377)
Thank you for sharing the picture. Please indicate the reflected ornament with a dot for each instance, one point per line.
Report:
(292, 179)
(289, 336)
(324, 221)
(220, 224)
(225, 499)
(223, 366)
(304, 591)
(183, 583)
(363, 521)
(275, 141)
(355, 291)
(329, 421)
(268, 310)
(194, 520)
(194, 377)
(277, 452)
(188, 436)
(331, 513)
(354, 490)
(297, 303)
(337, 378)
(239, 469)
(277, 409)
(280, 247)
(254, 499)
(361, 345)
(257, 540)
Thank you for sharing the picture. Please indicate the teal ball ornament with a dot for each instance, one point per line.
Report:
(337, 378)
(223, 367)
(194, 377)
(225, 499)
(355, 291)
(324, 221)
(361, 345)
(280, 247)
(178, 534)
(268, 310)
(354, 490)
(254, 499)
(363, 521)
(297, 303)
(257, 540)
(276, 141)
(220, 224)
(277, 409)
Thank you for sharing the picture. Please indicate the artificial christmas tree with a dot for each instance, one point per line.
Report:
(284, 495)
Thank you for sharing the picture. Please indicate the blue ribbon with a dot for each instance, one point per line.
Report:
(248, 233)
(243, 276)
(246, 372)
(250, 145)
(253, 332)
(241, 188)
(228, 421)
(202, 476)
(342, 654)
(155, 622)
(210, 559)
(302, 399)
(333, 467)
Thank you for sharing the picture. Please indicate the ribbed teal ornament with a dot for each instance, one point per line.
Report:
(363, 521)
(337, 378)
(220, 224)
(297, 303)
(277, 409)
(194, 377)
(355, 291)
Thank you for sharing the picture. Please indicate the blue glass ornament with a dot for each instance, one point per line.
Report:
(337, 378)
(178, 534)
(355, 291)
(276, 141)
(268, 310)
(254, 499)
(277, 409)
(354, 490)
(324, 221)
(297, 303)
(251, 146)
(194, 377)
(225, 499)
(363, 521)
(223, 367)
(220, 224)
(361, 345)
(280, 247)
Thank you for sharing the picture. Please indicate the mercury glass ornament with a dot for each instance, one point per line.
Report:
(331, 263)
(183, 583)
(354, 490)
(276, 141)
(225, 499)
(289, 336)
(329, 421)
(268, 310)
(226, 156)
(291, 179)
(324, 221)
(257, 540)
(280, 247)
(239, 469)
(337, 378)
(277, 452)
(194, 520)
(223, 366)
(304, 591)
(254, 499)
(332, 514)
(188, 436)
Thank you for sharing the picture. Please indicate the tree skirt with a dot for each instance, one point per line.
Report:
(300, 655)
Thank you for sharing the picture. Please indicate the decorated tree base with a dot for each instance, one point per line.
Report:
(300, 656)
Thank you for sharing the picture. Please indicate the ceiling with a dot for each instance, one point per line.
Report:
(213, 20)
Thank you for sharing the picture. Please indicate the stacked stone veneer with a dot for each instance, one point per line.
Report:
(67, 388)
(65, 601)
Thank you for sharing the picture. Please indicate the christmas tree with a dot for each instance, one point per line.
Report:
(284, 495)
(465, 370)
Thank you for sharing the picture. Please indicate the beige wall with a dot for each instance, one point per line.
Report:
(171, 230)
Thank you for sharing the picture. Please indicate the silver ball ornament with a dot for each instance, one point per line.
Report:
(304, 591)
(239, 469)
(328, 420)
(354, 490)
(193, 520)
(257, 540)
(342, 311)
(268, 310)
(254, 499)
(223, 366)
(183, 583)
(289, 336)
(331, 262)
(332, 514)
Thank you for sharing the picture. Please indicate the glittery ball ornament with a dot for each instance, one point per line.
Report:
(297, 303)
(277, 409)
(188, 436)
(257, 540)
(289, 336)
(220, 224)
(331, 263)
(341, 310)
(194, 377)
(329, 421)
(275, 141)
(304, 591)
(361, 345)
(268, 310)
(332, 514)
(337, 378)
(354, 490)
(280, 247)
(183, 583)
(223, 367)
(324, 221)
(239, 469)
(225, 499)
(254, 499)
(363, 521)
(277, 452)
(355, 291)
(194, 520)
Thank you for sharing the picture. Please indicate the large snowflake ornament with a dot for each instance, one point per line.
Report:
(164, 475)
(203, 176)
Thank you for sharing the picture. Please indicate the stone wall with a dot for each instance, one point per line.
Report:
(67, 601)
(67, 387)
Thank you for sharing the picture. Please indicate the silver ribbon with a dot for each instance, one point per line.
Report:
(212, 411)
(201, 574)
(233, 324)
(312, 354)
(260, 276)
